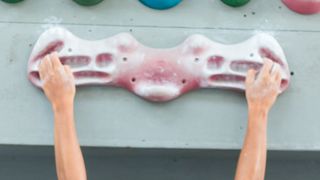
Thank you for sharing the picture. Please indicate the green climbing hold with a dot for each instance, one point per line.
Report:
(12, 1)
(88, 2)
(235, 3)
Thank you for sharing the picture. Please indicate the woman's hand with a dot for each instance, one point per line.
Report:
(58, 81)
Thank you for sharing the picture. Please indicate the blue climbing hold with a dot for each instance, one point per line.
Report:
(160, 4)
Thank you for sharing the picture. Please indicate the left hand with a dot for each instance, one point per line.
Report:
(58, 81)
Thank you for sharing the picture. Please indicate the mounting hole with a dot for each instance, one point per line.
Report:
(124, 59)
(245, 15)
(70, 50)
(251, 55)
(133, 79)
(291, 73)
(196, 59)
(184, 81)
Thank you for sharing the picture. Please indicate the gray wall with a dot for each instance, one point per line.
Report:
(202, 119)
(33, 163)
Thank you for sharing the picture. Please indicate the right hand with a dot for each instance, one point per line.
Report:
(58, 81)
(262, 90)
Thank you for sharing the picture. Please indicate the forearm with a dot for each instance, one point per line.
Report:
(69, 160)
(252, 161)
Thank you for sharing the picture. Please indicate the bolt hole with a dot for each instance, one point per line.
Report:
(69, 50)
(245, 15)
(253, 13)
(133, 79)
(196, 59)
(184, 81)
(124, 58)
(291, 73)
(251, 55)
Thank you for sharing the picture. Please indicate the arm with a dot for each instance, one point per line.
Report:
(59, 87)
(261, 93)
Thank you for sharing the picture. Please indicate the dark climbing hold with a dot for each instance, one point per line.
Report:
(235, 3)
(12, 1)
(88, 2)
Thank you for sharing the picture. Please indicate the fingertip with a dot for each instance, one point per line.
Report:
(68, 70)
(48, 60)
(55, 60)
(267, 60)
(67, 67)
(268, 63)
(276, 71)
(55, 55)
(266, 69)
(45, 59)
(278, 77)
(251, 72)
(43, 64)
(41, 74)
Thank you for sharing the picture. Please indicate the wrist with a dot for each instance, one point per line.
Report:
(62, 105)
(258, 109)
(63, 113)
(258, 115)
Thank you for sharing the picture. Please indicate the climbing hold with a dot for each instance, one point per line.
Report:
(12, 1)
(158, 74)
(235, 3)
(303, 6)
(160, 4)
(88, 2)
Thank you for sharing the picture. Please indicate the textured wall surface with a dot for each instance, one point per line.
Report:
(202, 119)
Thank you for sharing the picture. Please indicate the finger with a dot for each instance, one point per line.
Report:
(48, 63)
(275, 70)
(251, 75)
(277, 78)
(68, 71)
(43, 67)
(265, 71)
(55, 61)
